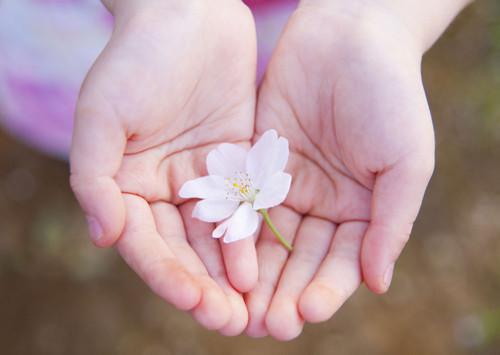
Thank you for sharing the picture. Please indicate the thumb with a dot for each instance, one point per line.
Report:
(397, 197)
(96, 154)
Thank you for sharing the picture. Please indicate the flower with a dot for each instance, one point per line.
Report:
(240, 185)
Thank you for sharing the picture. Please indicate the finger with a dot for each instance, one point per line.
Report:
(240, 259)
(338, 276)
(168, 220)
(148, 255)
(271, 257)
(96, 154)
(239, 314)
(397, 197)
(208, 249)
(164, 215)
(283, 319)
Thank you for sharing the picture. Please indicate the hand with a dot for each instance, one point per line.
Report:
(346, 90)
(176, 79)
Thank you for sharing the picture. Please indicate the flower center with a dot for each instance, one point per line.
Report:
(239, 188)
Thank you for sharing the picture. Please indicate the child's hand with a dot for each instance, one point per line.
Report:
(176, 79)
(345, 89)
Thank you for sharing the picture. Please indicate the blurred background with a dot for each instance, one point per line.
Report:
(60, 295)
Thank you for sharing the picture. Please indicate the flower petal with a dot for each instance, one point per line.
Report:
(242, 224)
(226, 160)
(209, 187)
(280, 156)
(214, 210)
(274, 191)
(221, 229)
(268, 156)
(259, 153)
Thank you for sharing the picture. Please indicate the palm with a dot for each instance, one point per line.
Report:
(175, 88)
(334, 99)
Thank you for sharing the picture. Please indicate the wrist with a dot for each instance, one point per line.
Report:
(127, 10)
(363, 27)
(421, 21)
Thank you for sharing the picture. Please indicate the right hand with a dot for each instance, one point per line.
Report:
(176, 79)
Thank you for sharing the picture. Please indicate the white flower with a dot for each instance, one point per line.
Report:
(239, 185)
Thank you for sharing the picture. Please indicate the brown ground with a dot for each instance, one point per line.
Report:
(59, 295)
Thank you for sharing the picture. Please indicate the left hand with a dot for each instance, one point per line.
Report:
(347, 93)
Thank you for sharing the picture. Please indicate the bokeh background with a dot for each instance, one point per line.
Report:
(60, 295)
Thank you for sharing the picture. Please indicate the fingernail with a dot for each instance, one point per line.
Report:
(388, 276)
(95, 228)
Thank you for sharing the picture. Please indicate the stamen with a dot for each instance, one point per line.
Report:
(239, 187)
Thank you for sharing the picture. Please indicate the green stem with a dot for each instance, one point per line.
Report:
(274, 230)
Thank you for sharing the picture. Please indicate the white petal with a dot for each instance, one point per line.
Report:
(226, 160)
(214, 210)
(209, 187)
(220, 229)
(259, 152)
(268, 156)
(281, 155)
(242, 224)
(273, 191)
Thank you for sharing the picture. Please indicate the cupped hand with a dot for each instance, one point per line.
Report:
(176, 79)
(344, 86)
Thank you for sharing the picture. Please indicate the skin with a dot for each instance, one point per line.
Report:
(344, 86)
(354, 110)
(174, 81)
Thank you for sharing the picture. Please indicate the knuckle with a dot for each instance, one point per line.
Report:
(74, 182)
(396, 235)
(401, 239)
(426, 166)
(423, 165)
(154, 273)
